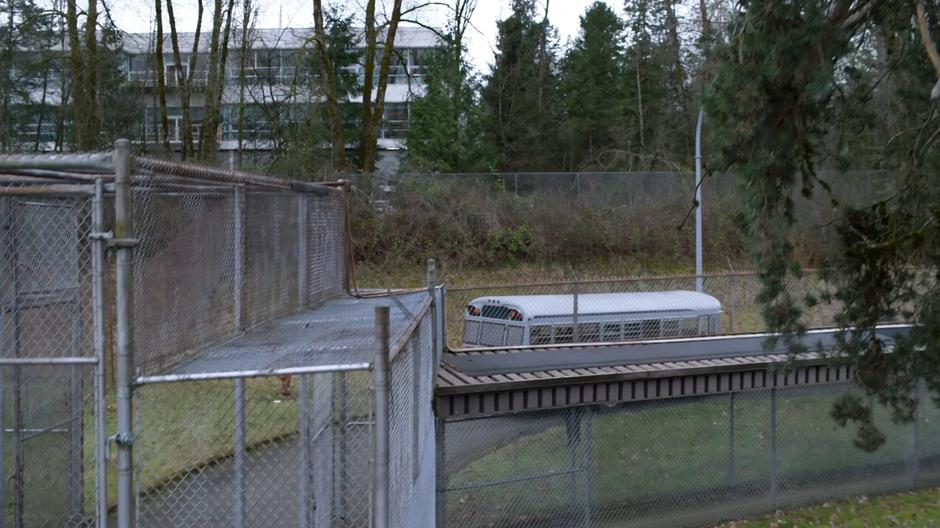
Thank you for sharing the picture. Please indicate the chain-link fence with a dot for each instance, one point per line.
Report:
(692, 461)
(613, 220)
(562, 303)
(241, 381)
(247, 452)
(52, 465)
(219, 256)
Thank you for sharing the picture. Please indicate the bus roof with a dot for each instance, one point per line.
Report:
(532, 306)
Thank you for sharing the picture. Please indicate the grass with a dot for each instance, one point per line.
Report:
(916, 509)
(652, 458)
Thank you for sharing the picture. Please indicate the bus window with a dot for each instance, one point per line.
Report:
(493, 334)
(563, 334)
(589, 332)
(541, 335)
(471, 332)
(690, 327)
(651, 329)
(671, 327)
(612, 332)
(632, 330)
(515, 335)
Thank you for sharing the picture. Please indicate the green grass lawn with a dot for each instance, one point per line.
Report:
(918, 509)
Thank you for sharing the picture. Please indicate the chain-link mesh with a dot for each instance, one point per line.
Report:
(256, 452)
(45, 276)
(47, 416)
(217, 257)
(47, 442)
(682, 462)
(411, 427)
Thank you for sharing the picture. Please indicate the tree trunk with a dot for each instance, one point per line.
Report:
(242, 81)
(370, 129)
(91, 76)
(218, 54)
(79, 101)
(366, 134)
(183, 78)
(328, 79)
(161, 81)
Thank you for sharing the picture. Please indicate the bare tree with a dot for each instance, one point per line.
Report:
(372, 111)
(218, 55)
(242, 80)
(161, 80)
(183, 77)
(83, 78)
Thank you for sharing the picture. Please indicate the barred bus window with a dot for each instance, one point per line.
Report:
(564, 334)
(541, 335)
(612, 332)
(633, 330)
(671, 328)
(652, 328)
(589, 332)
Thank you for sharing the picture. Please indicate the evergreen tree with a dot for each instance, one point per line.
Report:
(593, 89)
(446, 132)
(774, 110)
(520, 94)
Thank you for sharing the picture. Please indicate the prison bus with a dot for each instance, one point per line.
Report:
(520, 320)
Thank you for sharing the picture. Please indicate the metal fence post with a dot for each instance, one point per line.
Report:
(733, 303)
(124, 309)
(573, 436)
(240, 454)
(303, 416)
(576, 330)
(381, 388)
(773, 449)
(101, 409)
(13, 309)
(239, 239)
(432, 291)
(730, 470)
(440, 472)
(3, 453)
(340, 472)
(416, 402)
(918, 414)
(588, 419)
(301, 251)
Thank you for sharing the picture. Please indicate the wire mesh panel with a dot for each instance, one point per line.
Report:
(326, 270)
(680, 462)
(45, 277)
(254, 452)
(412, 450)
(46, 445)
(219, 256)
(183, 272)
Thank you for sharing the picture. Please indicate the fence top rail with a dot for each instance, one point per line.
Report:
(608, 280)
(258, 373)
(49, 361)
(225, 176)
(479, 369)
(85, 162)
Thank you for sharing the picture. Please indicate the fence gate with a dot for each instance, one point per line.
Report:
(43, 307)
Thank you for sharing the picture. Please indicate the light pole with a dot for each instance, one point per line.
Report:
(698, 200)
